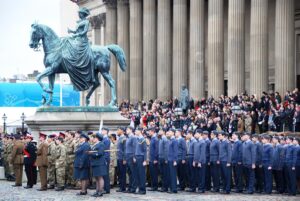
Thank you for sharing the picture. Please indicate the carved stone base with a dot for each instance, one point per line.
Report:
(55, 119)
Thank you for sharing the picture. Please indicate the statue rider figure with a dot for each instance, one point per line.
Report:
(184, 99)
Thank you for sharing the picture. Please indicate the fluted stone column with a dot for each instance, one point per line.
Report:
(215, 48)
(236, 47)
(149, 50)
(196, 49)
(285, 72)
(180, 64)
(259, 47)
(136, 50)
(164, 50)
(111, 38)
(123, 41)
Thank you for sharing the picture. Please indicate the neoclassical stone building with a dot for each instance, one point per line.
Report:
(213, 46)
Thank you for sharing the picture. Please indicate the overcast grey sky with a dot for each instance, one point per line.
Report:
(16, 18)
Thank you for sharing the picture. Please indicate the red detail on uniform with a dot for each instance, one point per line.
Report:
(26, 153)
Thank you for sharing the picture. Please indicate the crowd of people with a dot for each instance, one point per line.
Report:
(232, 144)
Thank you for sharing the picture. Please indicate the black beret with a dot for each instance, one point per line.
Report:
(199, 131)
(172, 130)
(105, 128)
(83, 135)
(122, 128)
(179, 130)
(215, 132)
(99, 136)
(205, 132)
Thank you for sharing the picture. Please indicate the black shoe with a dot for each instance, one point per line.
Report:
(59, 189)
(163, 190)
(191, 190)
(82, 193)
(152, 189)
(215, 191)
(180, 189)
(140, 192)
(172, 192)
(106, 192)
(120, 191)
(27, 187)
(248, 192)
(200, 192)
(225, 192)
(41, 189)
(51, 187)
(16, 185)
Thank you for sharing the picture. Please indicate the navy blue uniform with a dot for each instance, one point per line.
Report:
(267, 161)
(106, 142)
(225, 158)
(249, 158)
(153, 162)
(141, 156)
(121, 145)
(172, 157)
(298, 163)
(207, 166)
(97, 160)
(81, 162)
(191, 169)
(237, 165)
(290, 162)
(129, 154)
(200, 161)
(163, 148)
(29, 160)
(181, 167)
(258, 168)
(214, 163)
(277, 166)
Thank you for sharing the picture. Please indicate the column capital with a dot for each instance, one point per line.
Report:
(98, 20)
(110, 3)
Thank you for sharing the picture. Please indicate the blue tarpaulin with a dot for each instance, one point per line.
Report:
(29, 95)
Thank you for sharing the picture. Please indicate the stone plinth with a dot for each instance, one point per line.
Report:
(55, 119)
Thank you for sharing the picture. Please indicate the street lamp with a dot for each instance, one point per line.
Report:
(23, 121)
(4, 117)
(178, 111)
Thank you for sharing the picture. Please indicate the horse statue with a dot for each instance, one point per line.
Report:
(74, 56)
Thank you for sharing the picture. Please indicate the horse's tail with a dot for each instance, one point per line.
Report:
(119, 54)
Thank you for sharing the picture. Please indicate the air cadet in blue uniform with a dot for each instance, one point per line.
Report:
(290, 162)
(172, 161)
(225, 161)
(181, 163)
(106, 142)
(296, 143)
(140, 159)
(214, 161)
(121, 160)
(163, 146)
(200, 161)
(258, 170)
(237, 162)
(131, 143)
(249, 159)
(191, 170)
(267, 161)
(153, 160)
(207, 164)
(277, 165)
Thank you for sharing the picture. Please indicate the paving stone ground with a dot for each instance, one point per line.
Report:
(9, 193)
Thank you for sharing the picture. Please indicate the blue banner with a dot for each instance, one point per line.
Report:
(30, 95)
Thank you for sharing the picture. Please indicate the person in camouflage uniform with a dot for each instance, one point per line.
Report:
(51, 161)
(60, 164)
(10, 172)
(76, 142)
(70, 148)
(113, 159)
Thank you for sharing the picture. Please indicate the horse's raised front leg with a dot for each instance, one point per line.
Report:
(111, 83)
(51, 79)
(94, 87)
(47, 72)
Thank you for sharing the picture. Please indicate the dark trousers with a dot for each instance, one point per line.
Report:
(106, 177)
(226, 176)
(164, 169)
(278, 177)
(30, 174)
(259, 175)
(153, 174)
(238, 176)
(291, 180)
(268, 180)
(191, 173)
(249, 177)
(140, 174)
(181, 173)
(201, 178)
(172, 176)
(132, 173)
(215, 174)
(122, 175)
(207, 177)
